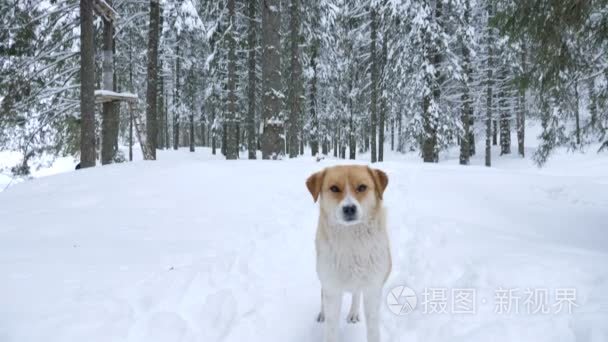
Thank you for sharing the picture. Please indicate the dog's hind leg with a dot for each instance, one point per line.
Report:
(353, 313)
(321, 315)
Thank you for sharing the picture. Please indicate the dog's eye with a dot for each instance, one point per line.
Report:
(361, 188)
(334, 188)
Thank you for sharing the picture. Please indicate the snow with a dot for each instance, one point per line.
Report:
(113, 94)
(195, 248)
(48, 166)
(208, 61)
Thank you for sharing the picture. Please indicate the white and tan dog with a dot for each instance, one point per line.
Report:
(353, 253)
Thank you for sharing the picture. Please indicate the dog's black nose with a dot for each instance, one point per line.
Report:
(349, 210)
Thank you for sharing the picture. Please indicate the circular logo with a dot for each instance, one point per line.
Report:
(401, 300)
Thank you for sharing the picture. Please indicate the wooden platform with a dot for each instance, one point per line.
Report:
(102, 96)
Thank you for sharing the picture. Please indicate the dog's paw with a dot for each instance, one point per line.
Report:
(353, 317)
(321, 317)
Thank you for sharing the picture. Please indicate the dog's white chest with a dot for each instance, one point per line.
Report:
(353, 258)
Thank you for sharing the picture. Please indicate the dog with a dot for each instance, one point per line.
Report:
(352, 244)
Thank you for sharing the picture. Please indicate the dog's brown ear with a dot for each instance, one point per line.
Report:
(313, 183)
(380, 181)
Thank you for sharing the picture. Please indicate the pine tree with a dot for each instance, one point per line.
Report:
(337, 76)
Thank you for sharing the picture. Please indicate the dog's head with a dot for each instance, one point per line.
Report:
(348, 194)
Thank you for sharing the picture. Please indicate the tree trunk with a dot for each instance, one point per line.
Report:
(230, 134)
(161, 109)
(314, 120)
(223, 147)
(352, 138)
(203, 133)
(383, 100)
(400, 134)
(335, 142)
(489, 85)
(176, 99)
(161, 118)
(466, 114)
(166, 111)
(152, 76)
(392, 133)
(505, 117)
(381, 124)
(213, 132)
(374, 84)
(302, 133)
(88, 154)
(366, 137)
(592, 103)
(272, 137)
(467, 107)
(505, 129)
(191, 140)
(132, 91)
(577, 114)
(238, 137)
(251, 90)
(109, 122)
(294, 86)
(430, 102)
(438, 78)
(166, 130)
(130, 132)
(429, 139)
(162, 114)
(521, 113)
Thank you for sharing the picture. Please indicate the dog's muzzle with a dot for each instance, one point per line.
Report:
(349, 212)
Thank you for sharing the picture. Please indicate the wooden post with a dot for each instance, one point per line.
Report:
(130, 131)
(131, 89)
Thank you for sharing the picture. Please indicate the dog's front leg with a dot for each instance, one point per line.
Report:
(321, 315)
(332, 302)
(353, 314)
(371, 302)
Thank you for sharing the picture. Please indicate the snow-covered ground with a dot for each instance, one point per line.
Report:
(47, 166)
(195, 248)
